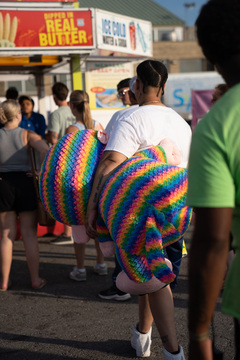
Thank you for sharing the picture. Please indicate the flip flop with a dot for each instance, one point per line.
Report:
(41, 284)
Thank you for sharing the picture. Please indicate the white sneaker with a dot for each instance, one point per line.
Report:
(169, 356)
(101, 269)
(141, 342)
(78, 274)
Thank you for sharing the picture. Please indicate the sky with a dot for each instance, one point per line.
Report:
(177, 7)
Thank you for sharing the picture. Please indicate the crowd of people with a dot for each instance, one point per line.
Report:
(212, 159)
(22, 128)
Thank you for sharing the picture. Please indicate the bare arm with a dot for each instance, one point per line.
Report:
(38, 144)
(52, 137)
(98, 127)
(207, 266)
(109, 162)
(71, 129)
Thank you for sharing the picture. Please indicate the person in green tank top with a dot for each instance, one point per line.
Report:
(214, 183)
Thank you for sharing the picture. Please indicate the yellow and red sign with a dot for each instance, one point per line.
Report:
(50, 29)
(45, 0)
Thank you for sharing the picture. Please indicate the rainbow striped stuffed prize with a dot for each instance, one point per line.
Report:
(67, 175)
(142, 205)
(154, 152)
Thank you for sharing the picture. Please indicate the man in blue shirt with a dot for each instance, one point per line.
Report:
(30, 119)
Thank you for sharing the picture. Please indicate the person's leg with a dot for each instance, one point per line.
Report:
(142, 331)
(145, 314)
(174, 253)
(115, 273)
(162, 308)
(8, 224)
(28, 225)
(100, 257)
(79, 272)
(113, 293)
(100, 267)
(157, 305)
(67, 231)
(79, 254)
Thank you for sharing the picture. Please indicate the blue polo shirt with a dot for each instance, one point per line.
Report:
(36, 123)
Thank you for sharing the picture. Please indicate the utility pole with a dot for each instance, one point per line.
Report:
(188, 6)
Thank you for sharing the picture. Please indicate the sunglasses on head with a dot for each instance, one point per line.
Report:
(122, 93)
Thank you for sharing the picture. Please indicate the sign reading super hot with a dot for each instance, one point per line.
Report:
(23, 29)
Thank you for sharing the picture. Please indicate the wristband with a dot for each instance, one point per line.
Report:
(198, 337)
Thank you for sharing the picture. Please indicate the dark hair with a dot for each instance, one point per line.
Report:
(131, 94)
(222, 88)
(218, 30)
(12, 93)
(25, 97)
(123, 83)
(60, 90)
(152, 73)
(219, 91)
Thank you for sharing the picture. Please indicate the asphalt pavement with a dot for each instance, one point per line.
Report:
(67, 320)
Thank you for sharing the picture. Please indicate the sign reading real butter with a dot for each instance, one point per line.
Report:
(21, 29)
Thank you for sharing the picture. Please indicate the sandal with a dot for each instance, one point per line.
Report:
(40, 285)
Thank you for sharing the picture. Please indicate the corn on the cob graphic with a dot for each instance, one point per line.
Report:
(8, 30)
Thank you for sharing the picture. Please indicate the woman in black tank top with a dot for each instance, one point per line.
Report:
(17, 193)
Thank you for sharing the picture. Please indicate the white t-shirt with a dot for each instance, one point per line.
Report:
(147, 125)
(116, 116)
